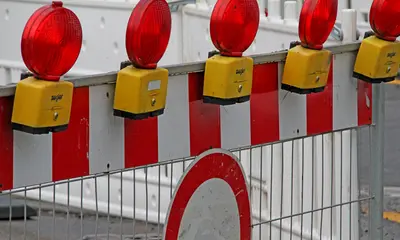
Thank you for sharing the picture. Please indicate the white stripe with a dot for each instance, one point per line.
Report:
(106, 133)
(235, 125)
(292, 111)
(32, 159)
(344, 92)
(173, 125)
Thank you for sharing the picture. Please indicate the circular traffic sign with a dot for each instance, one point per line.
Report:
(211, 200)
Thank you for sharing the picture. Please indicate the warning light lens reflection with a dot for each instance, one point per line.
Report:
(51, 41)
(384, 19)
(148, 33)
(234, 25)
(317, 19)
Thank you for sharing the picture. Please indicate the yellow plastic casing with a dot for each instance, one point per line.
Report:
(377, 60)
(42, 106)
(227, 80)
(306, 70)
(140, 93)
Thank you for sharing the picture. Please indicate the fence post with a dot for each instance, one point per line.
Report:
(349, 35)
(376, 168)
(274, 10)
(349, 25)
(290, 14)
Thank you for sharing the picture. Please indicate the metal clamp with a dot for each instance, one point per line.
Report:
(337, 32)
(174, 5)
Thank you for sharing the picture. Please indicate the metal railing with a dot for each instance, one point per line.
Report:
(181, 69)
(330, 215)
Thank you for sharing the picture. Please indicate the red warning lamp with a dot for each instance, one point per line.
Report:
(317, 19)
(50, 46)
(141, 87)
(379, 55)
(51, 41)
(384, 19)
(307, 65)
(148, 33)
(234, 25)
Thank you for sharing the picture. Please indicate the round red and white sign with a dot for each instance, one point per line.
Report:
(211, 201)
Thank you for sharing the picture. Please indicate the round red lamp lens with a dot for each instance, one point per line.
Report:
(384, 18)
(234, 25)
(51, 41)
(317, 19)
(148, 33)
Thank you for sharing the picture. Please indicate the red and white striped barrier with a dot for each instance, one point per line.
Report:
(96, 141)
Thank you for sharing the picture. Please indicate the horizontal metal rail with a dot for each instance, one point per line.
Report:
(173, 4)
(313, 210)
(181, 69)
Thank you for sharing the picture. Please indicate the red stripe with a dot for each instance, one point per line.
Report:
(204, 119)
(264, 104)
(6, 144)
(71, 147)
(141, 142)
(364, 103)
(320, 108)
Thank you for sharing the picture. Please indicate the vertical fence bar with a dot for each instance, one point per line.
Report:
(349, 30)
(290, 12)
(358, 158)
(376, 180)
(274, 10)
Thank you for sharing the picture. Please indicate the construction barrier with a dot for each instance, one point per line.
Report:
(279, 161)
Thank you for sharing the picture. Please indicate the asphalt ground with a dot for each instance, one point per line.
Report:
(79, 229)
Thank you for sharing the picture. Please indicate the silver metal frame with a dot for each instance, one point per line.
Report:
(262, 179)
(173, 4)
(377, 160)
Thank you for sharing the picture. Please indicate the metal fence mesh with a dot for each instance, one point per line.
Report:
(305, 188)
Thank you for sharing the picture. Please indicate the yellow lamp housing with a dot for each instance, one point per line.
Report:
(42, 106)
(377, 60)
(306, 70)
(140, 93)
(227, 80)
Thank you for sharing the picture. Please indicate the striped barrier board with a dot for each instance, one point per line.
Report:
(96, 141)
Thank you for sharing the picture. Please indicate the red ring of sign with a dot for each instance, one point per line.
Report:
(209, 166)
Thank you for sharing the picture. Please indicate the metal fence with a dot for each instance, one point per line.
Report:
(278, 187)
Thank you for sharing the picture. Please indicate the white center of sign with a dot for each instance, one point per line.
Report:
(211, 213)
